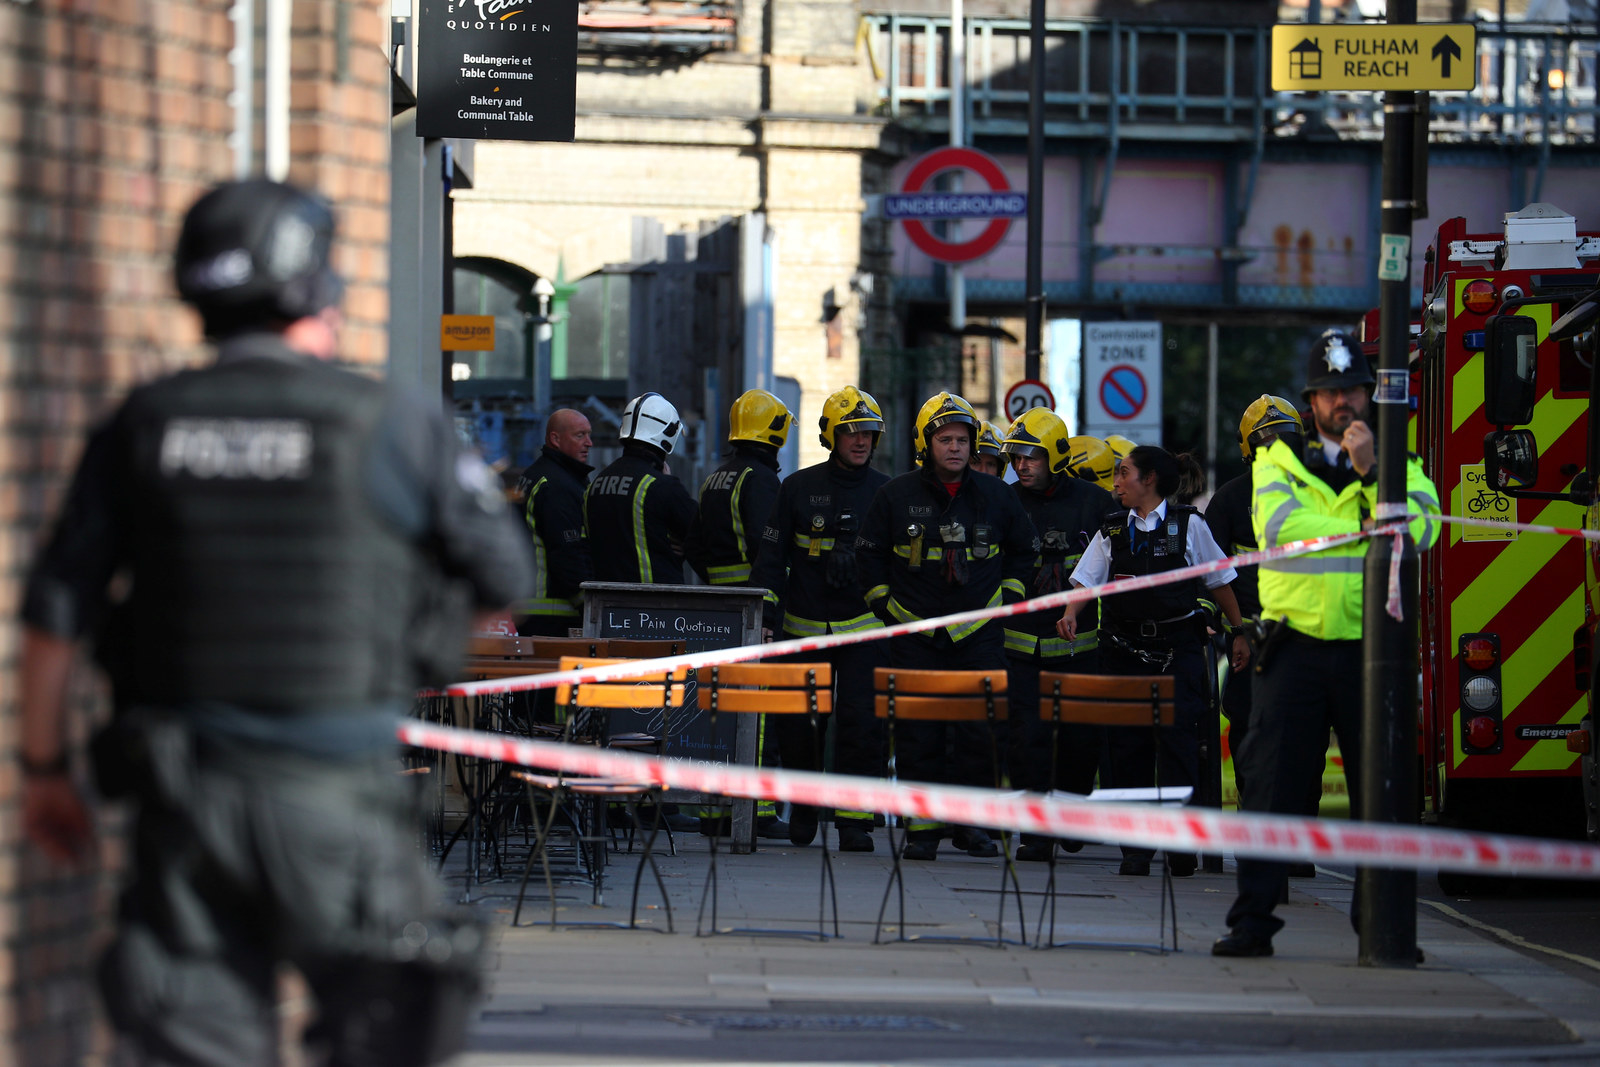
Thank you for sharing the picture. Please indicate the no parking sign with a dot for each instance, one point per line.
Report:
(1122, 380)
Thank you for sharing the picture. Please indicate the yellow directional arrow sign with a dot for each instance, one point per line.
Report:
(1373, 57)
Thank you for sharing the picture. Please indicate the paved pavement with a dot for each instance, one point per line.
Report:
(599, 996)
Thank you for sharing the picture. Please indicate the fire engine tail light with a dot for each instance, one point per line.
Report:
(1479, 297)
(1482, 718)
(1483, 732)
(1480, 693)
(1479, 653)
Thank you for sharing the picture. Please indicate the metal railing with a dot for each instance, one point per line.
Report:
(656, 26)
(1535, 83)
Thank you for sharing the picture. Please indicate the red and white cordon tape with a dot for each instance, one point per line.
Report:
(1524, 527)
(745, 653)
(1179, 829)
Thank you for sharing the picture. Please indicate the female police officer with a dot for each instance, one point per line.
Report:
(1159, 630)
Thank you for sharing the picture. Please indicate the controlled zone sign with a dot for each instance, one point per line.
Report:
(1122, 380)
(916, 205)
(1373, 57)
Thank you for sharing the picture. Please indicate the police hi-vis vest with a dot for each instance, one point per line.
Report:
(1320, 594)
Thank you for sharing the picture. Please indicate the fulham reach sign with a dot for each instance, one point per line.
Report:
(1376, 57)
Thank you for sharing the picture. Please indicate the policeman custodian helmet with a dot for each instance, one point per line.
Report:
(1090, 458)
(941, 410)
(1336, 362)
(990, 440)
(255, 253)
(1120, 446)
(852, 411)
(1268, 415)
(652, 420)
(1039, 432)
(760, 417)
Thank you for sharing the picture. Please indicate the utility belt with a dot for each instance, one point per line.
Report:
(1155, 634)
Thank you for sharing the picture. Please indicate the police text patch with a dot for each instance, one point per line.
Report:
(261, 449)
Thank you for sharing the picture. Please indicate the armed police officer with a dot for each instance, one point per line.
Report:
(637, 513)
(940, 540)
(1066, 512)
(1308, 668)
(271, 551)
(554, 515)
(807, 564)
(737, 497)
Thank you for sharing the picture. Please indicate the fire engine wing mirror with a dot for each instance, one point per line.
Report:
(1582, 316)
(1510, 361)
(1511, 458)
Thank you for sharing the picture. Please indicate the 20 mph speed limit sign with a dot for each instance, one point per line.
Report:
(1028, 394)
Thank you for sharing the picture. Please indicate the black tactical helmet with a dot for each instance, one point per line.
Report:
(254, 253)
(1336, 362)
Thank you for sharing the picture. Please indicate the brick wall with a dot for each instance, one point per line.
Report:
(114, 115)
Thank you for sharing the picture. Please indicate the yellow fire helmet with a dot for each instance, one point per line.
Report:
(1267, 415)
(849, 409)
(941, 410)
(1039, 432)
(1120, 446)
(1090, 459)
(760, 417)
(989, 440)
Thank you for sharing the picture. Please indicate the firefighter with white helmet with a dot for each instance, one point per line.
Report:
(1066, 512)
(638, 515)
(938, 540)
(807, 564)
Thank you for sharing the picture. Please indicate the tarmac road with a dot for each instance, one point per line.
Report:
(1554, 921)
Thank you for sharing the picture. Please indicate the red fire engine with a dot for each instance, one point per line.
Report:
(1508, 618)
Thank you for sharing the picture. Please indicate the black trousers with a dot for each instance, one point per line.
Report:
(859, 739)
(957, 753)
(245, 857)
(1077, 752)
(1135, 753)
(1077, 748)
(1308, 688)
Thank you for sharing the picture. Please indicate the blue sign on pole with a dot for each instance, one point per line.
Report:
(990, 205)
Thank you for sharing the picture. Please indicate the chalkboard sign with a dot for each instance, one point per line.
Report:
(702, 618)
(699, 628)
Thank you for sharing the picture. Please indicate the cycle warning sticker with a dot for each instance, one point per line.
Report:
(1480, 501)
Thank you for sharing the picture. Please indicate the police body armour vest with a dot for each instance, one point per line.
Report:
(265, 579)
(1150, 552)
